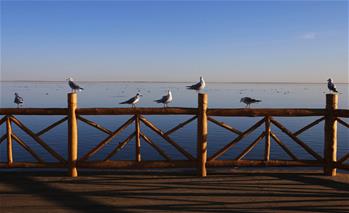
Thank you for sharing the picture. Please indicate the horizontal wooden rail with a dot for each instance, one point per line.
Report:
(240, 112)
(342, 166)
(341, 113)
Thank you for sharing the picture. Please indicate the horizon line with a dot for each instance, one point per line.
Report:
(214, 82)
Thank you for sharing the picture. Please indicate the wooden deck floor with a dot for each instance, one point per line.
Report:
(173, 191)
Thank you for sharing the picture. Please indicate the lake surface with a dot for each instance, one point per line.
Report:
(222, 95)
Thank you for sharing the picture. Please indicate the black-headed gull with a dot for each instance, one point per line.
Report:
(134, 100)
(165, 100)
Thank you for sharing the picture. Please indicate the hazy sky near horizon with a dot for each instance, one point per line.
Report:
(230, 41)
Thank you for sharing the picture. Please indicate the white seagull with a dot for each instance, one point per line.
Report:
(133, 101)
(75, 87)
(331, 86)
(199, 86)
(165, 99)
(18, 99)
(248, 101)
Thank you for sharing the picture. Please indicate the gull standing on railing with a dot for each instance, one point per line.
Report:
(73, 85)
(248, 101)
(18, 99)
(199, 86)
(165, 100)
(331, 86)
(134, 100)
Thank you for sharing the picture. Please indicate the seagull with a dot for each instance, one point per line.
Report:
(248, 101)
(199, 86)
(73, 85)
(134, 100)
(18, 99)
(331, 86)
(165, 99)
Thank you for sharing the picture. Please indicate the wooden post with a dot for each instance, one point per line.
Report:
(138, 139)
(9, 142)
(72, 134)
(202, 135)
(330, 148)
(267, 139)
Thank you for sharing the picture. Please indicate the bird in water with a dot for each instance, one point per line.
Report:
(18, 100)
(74, 86)
(198, 86)
(165, 100)
(248, 101)
(331, 86)
(134, 100)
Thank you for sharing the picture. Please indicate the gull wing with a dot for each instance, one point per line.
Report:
(74, 85)
(163, 99)
(194, 86)
(129, 101)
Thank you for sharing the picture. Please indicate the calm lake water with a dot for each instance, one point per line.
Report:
(222, 95)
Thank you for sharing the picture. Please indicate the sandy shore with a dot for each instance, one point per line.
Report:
(173, 191)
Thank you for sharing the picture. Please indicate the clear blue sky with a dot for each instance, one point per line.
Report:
(234, 41)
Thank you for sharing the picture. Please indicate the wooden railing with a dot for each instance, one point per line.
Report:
(330, 116)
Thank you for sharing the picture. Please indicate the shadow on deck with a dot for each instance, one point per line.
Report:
(167, 191)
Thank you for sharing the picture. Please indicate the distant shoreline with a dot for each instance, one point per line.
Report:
(171, 82)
